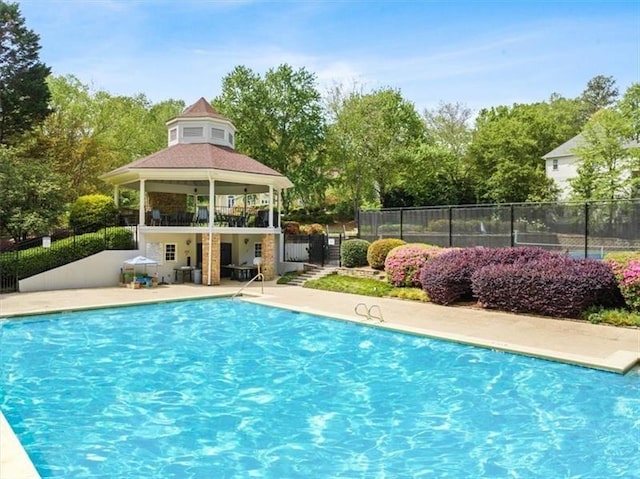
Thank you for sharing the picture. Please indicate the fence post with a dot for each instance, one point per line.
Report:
(586, 229)
(358, 222)
(512, 220)
(401, 218)
(450, 227)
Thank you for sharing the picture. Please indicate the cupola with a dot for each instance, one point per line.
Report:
(201, 123)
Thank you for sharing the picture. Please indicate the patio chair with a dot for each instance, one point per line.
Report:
(262, 220)
(202, 215)
(156, 218)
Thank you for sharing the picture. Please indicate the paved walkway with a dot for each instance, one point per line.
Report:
(598, 346)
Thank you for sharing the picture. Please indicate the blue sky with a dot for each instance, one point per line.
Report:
(481, 53)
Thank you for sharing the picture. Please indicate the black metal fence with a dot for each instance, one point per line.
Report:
(316, 249)
(581, 229)
(38, 255)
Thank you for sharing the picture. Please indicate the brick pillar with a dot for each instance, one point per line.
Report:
(269, 257)
(215, 259)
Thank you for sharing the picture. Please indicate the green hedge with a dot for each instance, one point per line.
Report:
(379, 249)
(90, 212)
(37, 260)
(353, 253)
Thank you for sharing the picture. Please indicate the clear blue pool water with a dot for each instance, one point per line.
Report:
(221, 389)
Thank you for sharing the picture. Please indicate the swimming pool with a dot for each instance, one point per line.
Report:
(220, 388)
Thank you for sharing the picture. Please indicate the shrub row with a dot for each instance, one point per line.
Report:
(312, 215)
(447, 278)
(552, 286)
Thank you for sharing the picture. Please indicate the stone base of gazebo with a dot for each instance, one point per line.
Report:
(268, 265)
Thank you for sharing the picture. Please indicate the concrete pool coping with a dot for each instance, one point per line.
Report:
(590, 345)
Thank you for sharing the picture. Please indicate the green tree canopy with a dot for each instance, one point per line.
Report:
(32, 194)
(280, 122)
(630, 110)
(23, 90)
(371, 142)
(91, 132)
(606, 158)
(601, 92)
(508, 145)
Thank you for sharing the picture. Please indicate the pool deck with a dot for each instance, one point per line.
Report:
(597, 346)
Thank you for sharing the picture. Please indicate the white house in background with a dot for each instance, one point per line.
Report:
(561, 164)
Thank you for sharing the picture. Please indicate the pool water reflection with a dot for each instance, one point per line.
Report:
(221, 388)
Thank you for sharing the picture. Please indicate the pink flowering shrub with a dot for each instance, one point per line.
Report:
(403, 263)
(630, 285)
(619, 260)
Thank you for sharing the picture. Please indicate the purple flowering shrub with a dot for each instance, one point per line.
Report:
(630, 285)
(552, 286)
(447, 277)
(379, 249)
(403, 263)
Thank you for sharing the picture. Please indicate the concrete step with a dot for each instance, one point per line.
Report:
(312, 272)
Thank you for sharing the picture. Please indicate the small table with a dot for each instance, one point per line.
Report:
(242, 273)
(184, 270)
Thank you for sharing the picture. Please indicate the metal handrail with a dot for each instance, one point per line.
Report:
(260, 276)
(366, 310)
(367, 314)
(379, 317)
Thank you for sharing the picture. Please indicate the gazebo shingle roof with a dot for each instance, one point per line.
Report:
(201, 108)
(200, 156)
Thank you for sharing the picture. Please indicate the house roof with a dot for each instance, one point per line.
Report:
(199, 156)
(566, 149)
(201, 109)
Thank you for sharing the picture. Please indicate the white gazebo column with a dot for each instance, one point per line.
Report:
(212, 193)
(270, 206)
(141, 214)
(116, 196)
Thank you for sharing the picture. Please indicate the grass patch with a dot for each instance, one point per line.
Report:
(348, 284)
(414, 294)
(616, 317)
(285, 278)
(377, 288)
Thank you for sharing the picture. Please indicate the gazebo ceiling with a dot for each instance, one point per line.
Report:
(197, 187)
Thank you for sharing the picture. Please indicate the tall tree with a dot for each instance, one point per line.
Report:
(507, 149)
(91, 132)
(630, 109)
(280, 122)
(23, 90)
(449, 126)
(32, 194)
(601, 92)
(372, 140)
(605, 162)
(440, 173)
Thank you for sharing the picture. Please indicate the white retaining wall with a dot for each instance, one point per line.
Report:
(96, 271)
